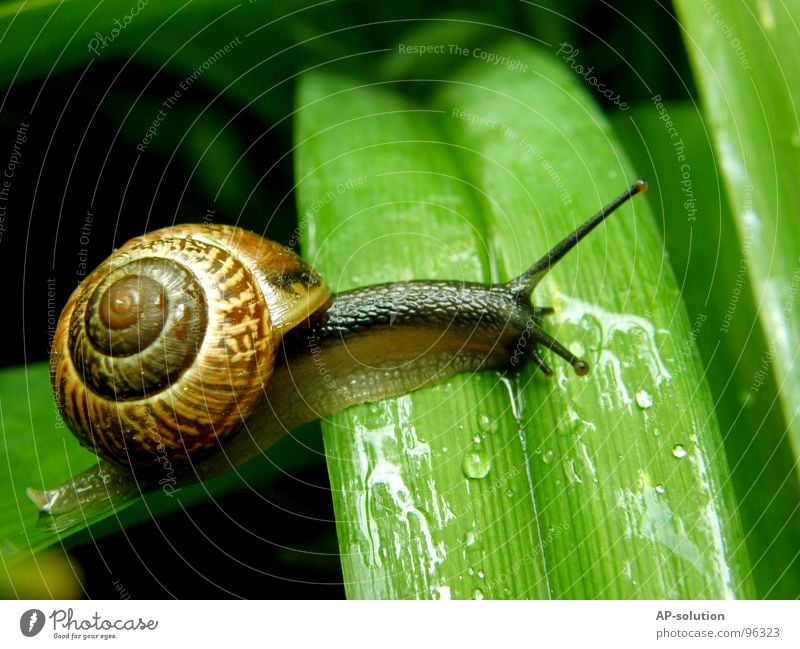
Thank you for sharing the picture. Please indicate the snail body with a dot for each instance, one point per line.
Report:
(188, 335)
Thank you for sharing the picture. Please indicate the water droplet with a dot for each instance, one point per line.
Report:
(477, 439)
(477, 594)
(469, 539)
(679, 452)
(510, 493)
(476, 465)
(600, 327)
(547, 456)
(644, 400)
(481, 574)
(441, 592)
(660, 489)
(444, 449)
(485, 422)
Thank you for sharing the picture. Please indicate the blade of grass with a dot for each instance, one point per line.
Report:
(430, 490)
(36, 446)
(46, 36)
(706, 254)
(36, 450)
(622, 511)
(42, 37)
(745, 57)
(629, 464)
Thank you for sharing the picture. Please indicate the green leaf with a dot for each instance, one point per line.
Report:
(745, 56)
(38, 451)
(630, 462)
(47, 36)
(43, 37)
(427, 489)
(705, 252)
(629, 487)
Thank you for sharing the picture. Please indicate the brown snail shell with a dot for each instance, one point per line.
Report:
(167, 346)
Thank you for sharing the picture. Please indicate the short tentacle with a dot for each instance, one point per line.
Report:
(580, 366)
(544, 367)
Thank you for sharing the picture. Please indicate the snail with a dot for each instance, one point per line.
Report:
(199, 346)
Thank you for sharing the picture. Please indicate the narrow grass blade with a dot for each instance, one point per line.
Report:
(38, 451)
(705, 252)
(745, 56)
(628, 465)
(630, 483)
(431, 490)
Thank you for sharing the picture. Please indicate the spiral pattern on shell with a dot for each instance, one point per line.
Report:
(166, 348)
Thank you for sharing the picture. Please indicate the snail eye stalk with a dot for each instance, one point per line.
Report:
(525, 283)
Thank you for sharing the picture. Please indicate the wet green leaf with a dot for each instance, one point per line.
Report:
(705, 251)
(628, 480)
(745, 56)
